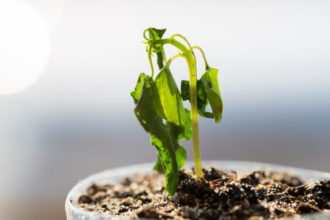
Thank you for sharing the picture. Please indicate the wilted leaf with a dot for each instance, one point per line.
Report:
(211, 86)
(167, 99)
(162, 138)
(157, 34)
(138, 88)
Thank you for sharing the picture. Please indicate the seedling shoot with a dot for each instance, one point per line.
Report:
(159, 104)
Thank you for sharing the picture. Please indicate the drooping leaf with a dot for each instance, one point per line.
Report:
(202, 100)
(157, 34)
(208, 92)
(138, 88)
(180, 154)
(165, 162)
(177, 133)
(162, 139)
(167, 98)
(185, 90)
(159, 166)
(211, 86)
(205, 114)
(145, 111)
(184, 131)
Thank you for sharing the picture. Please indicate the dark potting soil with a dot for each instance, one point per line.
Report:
(219, 195)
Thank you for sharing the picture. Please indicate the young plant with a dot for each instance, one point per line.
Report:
(159, 104)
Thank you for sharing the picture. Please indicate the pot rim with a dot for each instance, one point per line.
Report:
(117, 174)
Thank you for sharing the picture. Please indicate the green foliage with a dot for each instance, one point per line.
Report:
(159, 106)
(211, 86)
(167, 98)
(156, 34)
(138, 88)
(208, 92)
(164, 134)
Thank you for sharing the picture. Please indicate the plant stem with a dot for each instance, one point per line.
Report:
(168, 63)
(191, 62)
(150, 62)
(194, 117)
(203, 54)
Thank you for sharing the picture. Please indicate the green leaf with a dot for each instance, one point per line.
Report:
(167, 98)
(145, 111)
(184, 131)
(211, 86)
(207, 92)
(162, 139)
(185, 90)
(165, 161)
(205, 114)
(159, 166)
(180, 155)
(202, 100)
(138, 88)
(157, 34)
(177, 133)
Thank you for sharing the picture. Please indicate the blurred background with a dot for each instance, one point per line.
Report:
(67, 68)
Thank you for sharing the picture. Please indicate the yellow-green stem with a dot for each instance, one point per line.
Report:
(188, 54)
(203, 54)
(194, 116)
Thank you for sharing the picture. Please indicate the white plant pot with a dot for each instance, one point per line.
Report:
(115, 175)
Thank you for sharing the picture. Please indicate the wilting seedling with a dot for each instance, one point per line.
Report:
(159, 104)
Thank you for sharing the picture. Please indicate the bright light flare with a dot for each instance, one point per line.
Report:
(24, 46)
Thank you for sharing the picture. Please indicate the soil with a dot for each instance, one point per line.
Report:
(219, 195)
